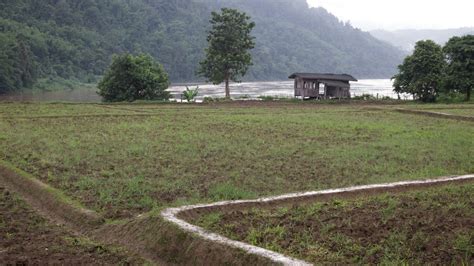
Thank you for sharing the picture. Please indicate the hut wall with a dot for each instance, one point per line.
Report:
(309, 88)
(336, 92)
(306, 88)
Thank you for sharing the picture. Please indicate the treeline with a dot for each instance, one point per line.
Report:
(76, 39)
(433, 71)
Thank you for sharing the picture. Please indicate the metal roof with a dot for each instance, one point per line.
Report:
(326, 76)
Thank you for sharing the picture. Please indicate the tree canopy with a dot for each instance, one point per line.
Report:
(228, 55)
(63, 39)
(421, 73)
(459, 52)
(132, 78)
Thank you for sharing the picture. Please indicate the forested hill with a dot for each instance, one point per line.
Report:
(75, 39)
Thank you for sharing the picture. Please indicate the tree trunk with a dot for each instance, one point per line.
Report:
(227, 89)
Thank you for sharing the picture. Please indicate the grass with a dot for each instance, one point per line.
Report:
(463, 112)
(57, 194)
(434, 226)
(120, 164)
(19, 110)
(456, 109)
(465, 109)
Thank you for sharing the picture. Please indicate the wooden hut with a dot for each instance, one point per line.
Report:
(322, 86)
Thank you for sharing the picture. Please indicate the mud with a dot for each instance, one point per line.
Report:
(146, 237)
(427, 227)
(161, 239)
(180, 216)
(28, 239)
(47, 201)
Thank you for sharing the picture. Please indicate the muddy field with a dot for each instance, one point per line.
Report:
(431, 226)
(28, 239)
(127, 162)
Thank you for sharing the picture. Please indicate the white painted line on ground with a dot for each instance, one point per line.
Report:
(172, 213)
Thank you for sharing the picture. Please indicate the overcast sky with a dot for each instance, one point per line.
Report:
(401, 14)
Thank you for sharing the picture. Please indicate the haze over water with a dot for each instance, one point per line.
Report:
(380, 87)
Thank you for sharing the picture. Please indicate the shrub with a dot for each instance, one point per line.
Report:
(190, 94)
(132, 78)
(450, 97)
(365, 97)
(215, 100)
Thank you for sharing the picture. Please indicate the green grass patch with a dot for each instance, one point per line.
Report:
(461, 111)
(121, 165)
(56, 109)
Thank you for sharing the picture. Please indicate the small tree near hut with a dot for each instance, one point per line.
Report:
(132, 78)
(421, 73)
(228, 55)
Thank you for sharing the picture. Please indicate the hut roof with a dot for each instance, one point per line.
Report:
(327, 76)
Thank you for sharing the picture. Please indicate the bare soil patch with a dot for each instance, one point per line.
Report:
(431, 226)
(26, 238)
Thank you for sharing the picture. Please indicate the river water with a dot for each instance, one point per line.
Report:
(375, 87)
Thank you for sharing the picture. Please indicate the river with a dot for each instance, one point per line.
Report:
(375, 87)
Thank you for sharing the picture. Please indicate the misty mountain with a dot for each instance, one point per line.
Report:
(406, 39)
(76, 39)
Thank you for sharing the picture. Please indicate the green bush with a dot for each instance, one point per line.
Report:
(267, 98)
(450, 97)
(365, 97)
(190, 94)
(215, 100)
(132, 78)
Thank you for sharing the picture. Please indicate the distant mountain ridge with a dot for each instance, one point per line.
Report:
(75, 39)
(406, 39)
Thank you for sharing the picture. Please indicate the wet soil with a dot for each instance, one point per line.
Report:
(26, 238)
(434, 226)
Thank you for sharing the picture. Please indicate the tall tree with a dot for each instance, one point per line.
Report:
(421, 73)
(459, 52)
(228, 55)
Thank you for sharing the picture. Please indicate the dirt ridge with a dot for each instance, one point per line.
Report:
(48, 201)
(166, 239)
(147, 236)
(175, 215)
(436, 114)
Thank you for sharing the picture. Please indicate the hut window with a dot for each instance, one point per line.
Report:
(322, 88)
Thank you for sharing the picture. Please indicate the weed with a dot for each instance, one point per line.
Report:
(464, 242)
(227, 191)
(254, 237)
(210, 220)
(389, 210)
